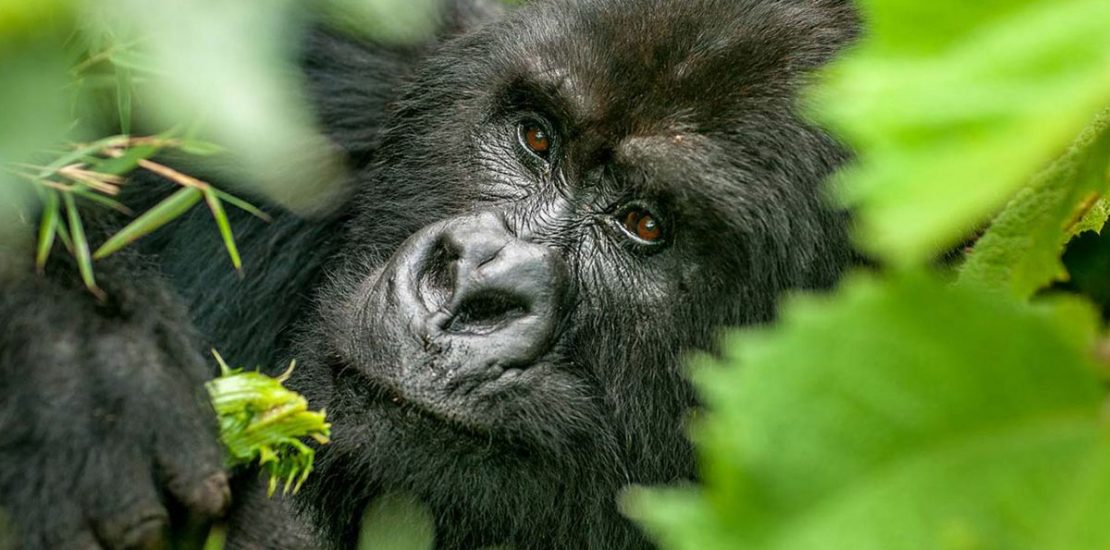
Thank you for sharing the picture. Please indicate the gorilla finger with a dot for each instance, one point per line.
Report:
(125, 507)
(195, 478)
(82, 540)
(186, 447)
(135, 529)
(190, 460)
(209, 496)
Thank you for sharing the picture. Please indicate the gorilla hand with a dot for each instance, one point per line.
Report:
(104, 424)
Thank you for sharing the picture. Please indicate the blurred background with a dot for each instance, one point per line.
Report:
(209, 78)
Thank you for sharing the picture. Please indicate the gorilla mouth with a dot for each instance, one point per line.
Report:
(486, 313)
(467, 413)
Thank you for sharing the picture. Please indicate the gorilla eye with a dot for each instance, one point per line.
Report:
(643, 225)
(535, 138)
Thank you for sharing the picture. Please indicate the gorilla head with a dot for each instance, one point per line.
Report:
(566, 202)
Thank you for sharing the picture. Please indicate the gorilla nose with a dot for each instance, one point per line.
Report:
(501, 296)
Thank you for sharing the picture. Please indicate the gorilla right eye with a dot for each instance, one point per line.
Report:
(643, 225)
(535, 138)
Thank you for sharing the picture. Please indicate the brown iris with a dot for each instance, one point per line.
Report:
(536, 139)
(643, 225)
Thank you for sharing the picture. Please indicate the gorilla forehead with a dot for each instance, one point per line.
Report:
(660, 66)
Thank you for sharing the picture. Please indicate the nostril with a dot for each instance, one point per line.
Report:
(438, 273)
(487, 311)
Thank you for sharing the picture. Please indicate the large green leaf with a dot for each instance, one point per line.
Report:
(905, 414)
(1021, 251)
(953, 105)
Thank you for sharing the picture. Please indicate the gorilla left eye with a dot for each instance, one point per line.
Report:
(535, 138)
(642, 224)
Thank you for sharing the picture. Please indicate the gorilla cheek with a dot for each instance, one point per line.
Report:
(458, 316)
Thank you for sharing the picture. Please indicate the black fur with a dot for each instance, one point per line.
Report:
(689, 106)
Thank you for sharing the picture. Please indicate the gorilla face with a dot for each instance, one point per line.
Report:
(576, 197)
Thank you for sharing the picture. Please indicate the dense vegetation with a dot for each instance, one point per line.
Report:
(953, 395)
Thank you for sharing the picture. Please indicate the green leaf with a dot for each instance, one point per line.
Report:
(262, 421)
(48, 228)
(126, 162)
(1020, 253)
(162, 213)
(908, 414)
(81, 153)
(952, 105)
(81, 246)
(1094, 219)
(217, 538)
(94, 196)
(199, 148)
(63, 235)
(225, 227)
(243, 205)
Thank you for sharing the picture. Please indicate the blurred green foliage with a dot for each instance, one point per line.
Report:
(902, 413)
(953, 105)
(32, 107)
(397, 521)
(205, 71)
(928, 407)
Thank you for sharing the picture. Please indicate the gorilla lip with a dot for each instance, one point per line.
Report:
(391, 398)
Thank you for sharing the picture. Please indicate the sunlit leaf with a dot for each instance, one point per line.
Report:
(1020, 253)
(952, 105)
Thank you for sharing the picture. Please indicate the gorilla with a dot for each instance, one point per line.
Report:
(553, 205)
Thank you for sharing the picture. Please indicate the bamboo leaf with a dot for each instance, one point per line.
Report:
(87, 193)
(48, 228)
(199, 148)
(80, 153)
(81, 247)
(161, 214)
(126, 162)
(63, 234)
(225, 227)
(244, 205)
